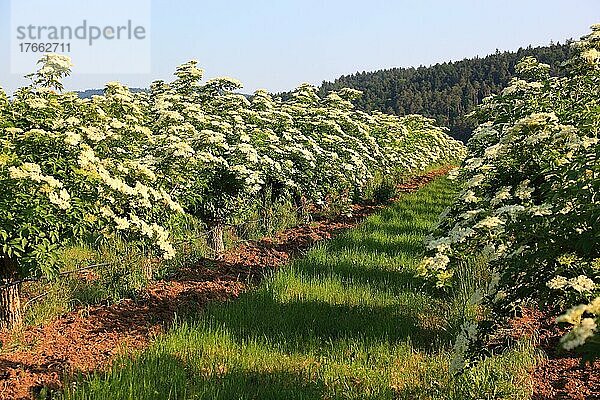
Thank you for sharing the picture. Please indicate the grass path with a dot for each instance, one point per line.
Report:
(349, 320)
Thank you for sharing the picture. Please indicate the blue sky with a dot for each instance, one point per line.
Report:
(279, 44)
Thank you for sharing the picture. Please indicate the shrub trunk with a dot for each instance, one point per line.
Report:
(10, 299)
(215, 239)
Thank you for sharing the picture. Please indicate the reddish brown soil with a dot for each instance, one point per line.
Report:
(562, 375)
(89, 338)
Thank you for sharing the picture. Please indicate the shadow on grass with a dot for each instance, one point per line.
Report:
(391, 280)
(240, 384)
(352, 259)
(372, 244)
(297, 325)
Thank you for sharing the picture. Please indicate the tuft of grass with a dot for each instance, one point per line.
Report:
(349, 320)
(121, 271)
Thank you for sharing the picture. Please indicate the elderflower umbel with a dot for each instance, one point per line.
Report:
(523, 191)
(501, 195)
(72, 138)
(489, 223)
(582, 284)
(469, 197)
(579, 334)
(558, 282)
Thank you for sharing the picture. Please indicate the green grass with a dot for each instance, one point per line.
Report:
(349, 320)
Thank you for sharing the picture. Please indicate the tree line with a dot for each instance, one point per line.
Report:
(446, 92)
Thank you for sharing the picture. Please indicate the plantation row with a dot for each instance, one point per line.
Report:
(530, 205)
(133, 167)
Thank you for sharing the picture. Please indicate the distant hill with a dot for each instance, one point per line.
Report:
(445, 92)
(86, 94)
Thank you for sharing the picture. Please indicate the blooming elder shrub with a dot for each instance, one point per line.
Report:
(66, 178)
(529, 203)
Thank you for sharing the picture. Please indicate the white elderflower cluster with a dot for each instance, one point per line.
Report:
(493, 151)
(523, 191)
(489, 223)
(55, 64)
(50, 185)
(453, 174)
(60, 199)
(476, 180)
(94, 134)
(469, 197)
(592, 56)
(181, 148)
(581, 283)
(501, 195)
(72, 138)
(583, 327)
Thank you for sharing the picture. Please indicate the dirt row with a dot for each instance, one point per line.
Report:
(561, 375)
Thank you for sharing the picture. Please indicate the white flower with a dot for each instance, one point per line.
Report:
(121, 223)
(579, 334)
(72, 138)
(501, 195)
(470, 214)
(106, 211)
(558, 282)
(489, 223)
(73, 121)
(116, 124)
(592, 56)
(249, 151)
(94, 134)
(541, 210)
(469, 197)
(60, 199)
(37, 103)
(536, 120)
(14, 131)
(492, 151)
(437, 262)
(182, 149)
(588, 141)
(476, 180)
(568, 207)
(58, 62)
(453, 174)
(582, 284)
(17, 173)
(523, 191)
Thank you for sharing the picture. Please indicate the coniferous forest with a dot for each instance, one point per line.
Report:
(446, 92)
